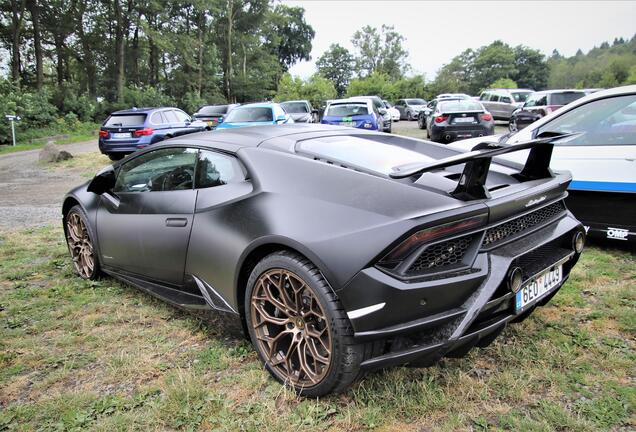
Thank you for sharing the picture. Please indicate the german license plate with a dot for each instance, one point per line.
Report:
(463, 120)
(538, 287)
(120, 134)
(346, 124)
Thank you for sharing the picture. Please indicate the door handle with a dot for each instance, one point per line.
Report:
(176, 222)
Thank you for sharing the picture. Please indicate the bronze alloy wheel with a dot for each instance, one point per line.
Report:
(80, 245)
(291, 328)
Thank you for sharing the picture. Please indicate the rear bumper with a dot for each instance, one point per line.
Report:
(126, 146)
(449, 134)
(425, 320)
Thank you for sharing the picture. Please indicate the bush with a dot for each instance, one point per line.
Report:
(504, 83)
(316, 89)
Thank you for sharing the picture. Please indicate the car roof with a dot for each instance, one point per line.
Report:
(259, 105)
(356, 99)
(299, 100)
(560, 91)
(145, 110)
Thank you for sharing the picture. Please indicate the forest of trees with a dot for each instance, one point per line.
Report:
(73, 61)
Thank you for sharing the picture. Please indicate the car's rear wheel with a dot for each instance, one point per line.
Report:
(79, 239)
(420, 122)
(116, 156)
(299, 327)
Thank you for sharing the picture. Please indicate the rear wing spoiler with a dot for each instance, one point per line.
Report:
(472, 182)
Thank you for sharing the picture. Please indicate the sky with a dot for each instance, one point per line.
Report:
(435, 32)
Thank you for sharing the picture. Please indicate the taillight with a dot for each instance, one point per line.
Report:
(103, 134)
(144, 131)
(412, 243)
(485, 117)
(440, 119)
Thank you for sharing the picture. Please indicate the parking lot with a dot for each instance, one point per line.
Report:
(410, 128)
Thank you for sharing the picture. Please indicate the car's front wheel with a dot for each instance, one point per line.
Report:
(299, 327)
(79, 239)
(512, 125)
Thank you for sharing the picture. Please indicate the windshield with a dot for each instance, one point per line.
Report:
(347, 110)
(565, 98)
(459, 105)
(416, 101)
(250, 114)
(520, 96)
(213, 110)
(126, 120)
(361, 152)
(295, 107)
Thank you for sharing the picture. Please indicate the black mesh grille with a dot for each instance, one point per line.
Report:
(515, 226)
(441, 256)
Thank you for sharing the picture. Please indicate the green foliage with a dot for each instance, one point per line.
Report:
(380, 51)
(506, 83)
(33, 107)
(291, 35)
(382, 85)
(336, 64)
(605, 66)
(316, 89)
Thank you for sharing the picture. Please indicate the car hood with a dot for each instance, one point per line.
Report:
(243, 124)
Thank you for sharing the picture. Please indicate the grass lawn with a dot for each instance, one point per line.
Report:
(84, 132)
(101, 355)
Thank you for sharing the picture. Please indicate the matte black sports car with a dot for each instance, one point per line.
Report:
(336, 250)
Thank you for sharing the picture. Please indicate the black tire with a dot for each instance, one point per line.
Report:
(428, 134)
(409, 116)
(420, 123)
(79, 249)
(345, 357)
(116, 156)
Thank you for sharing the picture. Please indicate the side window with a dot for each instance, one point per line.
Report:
(530, 102)
(542, 101)
(181, 116)
(610, 121)
(398, 103)
(216, 169)
(494, 98)
(278, 111)
(158, 171)
(156, 118)
(484, 96)
(170, 116)
(505, 99)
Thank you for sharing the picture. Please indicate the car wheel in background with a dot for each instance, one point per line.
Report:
(421, 124)
(79, 239)
(512, 125)
(409, 115)
(299, 328)
(115, 156)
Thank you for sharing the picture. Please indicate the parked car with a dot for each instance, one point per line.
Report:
(540, 104)
(501, 103)
(126, 131)
(255, 114)
(448, 120)
(393, 112)
(208, 115)
(356, 112)
(384, 113)
(339, 251)
(602, 159)
(410, 108)
(453, 96)
(301, 111)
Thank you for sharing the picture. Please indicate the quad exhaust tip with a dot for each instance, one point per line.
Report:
(515, 279)
(578, 242)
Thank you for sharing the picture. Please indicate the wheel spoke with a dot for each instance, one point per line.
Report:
(80, 245)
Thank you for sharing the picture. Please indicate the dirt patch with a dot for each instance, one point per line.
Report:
(31, 193)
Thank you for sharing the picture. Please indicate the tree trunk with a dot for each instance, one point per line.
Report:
(88, 59)
(59, 60)
(17, 16)
(34, 8)
(201, 34)
(120, 51)
(228, 59)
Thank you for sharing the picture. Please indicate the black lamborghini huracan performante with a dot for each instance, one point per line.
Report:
(336, 251)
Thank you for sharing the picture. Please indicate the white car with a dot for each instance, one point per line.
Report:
(395, 114)
(601, 158)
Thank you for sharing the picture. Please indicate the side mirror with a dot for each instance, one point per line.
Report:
(281, 119)
(104, 181)
(427, 112)
(382, 111)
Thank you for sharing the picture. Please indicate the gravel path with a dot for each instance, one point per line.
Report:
(31, 195)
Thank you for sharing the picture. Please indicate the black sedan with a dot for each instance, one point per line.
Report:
(208, 116)
(448, 120)
(337, 251)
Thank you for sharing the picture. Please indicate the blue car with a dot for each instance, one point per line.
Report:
(357, 113)
(126, 131)
(255, 114)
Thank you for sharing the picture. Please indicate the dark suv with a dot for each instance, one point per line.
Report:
(126, 131)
